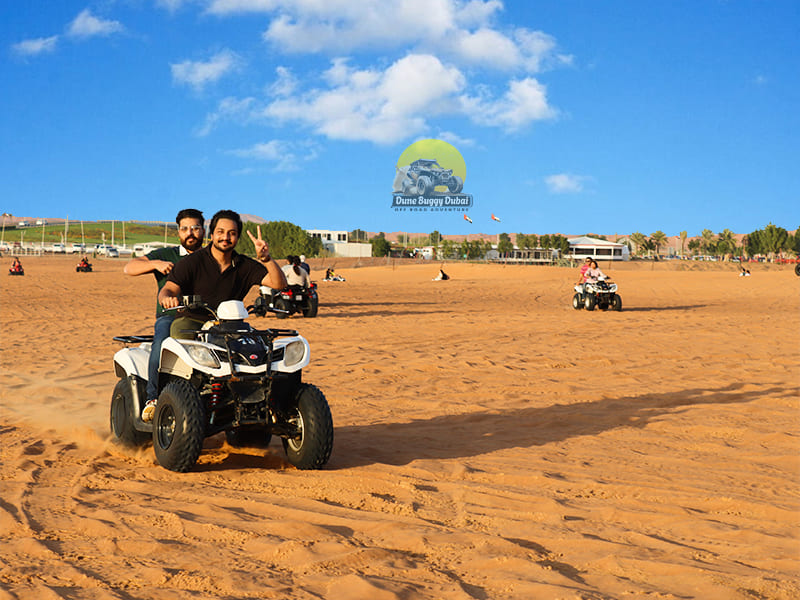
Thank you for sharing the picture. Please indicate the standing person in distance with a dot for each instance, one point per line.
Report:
(160, 262)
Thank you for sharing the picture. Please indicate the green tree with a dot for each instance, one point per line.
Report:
(638, 240)
(357, 235)
(380, 245)
(284, 238)
(707, 241)
(726, 244)
(448, 247)
(544, 241)
(504, 245)
(434, 238)
(659, 238)
(694, 245)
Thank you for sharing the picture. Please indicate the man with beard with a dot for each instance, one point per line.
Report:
(217, 272)
(160, 263)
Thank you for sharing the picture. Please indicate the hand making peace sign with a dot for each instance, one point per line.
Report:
(262, 248)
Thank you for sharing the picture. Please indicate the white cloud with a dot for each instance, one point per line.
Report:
(198, 74)
(231, 109)
(87, 25)
(565, 183)
(382, 107)
(524, 102)
(286, 156)
(35, 46)
(455, 139)
(285, 84)
(462, 31)
(172, 5)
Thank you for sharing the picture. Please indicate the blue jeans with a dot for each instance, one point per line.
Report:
(160, 333)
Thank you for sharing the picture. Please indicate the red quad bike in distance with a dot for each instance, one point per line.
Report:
(227, 377)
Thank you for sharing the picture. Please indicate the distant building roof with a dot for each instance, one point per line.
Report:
(590, 241)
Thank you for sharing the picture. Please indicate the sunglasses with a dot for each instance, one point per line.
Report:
(195, 228)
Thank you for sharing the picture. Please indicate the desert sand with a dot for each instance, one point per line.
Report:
(491, 442)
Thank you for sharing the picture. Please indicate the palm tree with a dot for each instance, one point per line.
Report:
(638, 239)
(726, 244)
(683, 235)
(658, 238)
(708, 240)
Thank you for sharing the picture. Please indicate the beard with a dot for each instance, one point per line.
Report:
(192, 243)
(223, 245)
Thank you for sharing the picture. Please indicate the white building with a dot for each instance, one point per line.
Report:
(336, 242)
(581, 247)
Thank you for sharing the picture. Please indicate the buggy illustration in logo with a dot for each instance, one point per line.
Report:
(430, 175)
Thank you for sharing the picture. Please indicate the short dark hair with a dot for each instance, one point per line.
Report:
(225, 214)
(190, 213)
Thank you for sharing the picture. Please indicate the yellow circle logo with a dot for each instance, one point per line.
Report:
(429, 167)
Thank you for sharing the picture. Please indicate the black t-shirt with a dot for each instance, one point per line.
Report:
(198, 275)
(171, 254)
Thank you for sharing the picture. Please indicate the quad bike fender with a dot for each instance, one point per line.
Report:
(132, 361)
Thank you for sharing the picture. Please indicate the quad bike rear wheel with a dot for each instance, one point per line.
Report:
(281, 304)
(178, 426)
(311, 310)
(122, 415)
(310, 447)
(616, 303)
(577, 302)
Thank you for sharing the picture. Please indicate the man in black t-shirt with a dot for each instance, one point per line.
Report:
(217, 272)
(160, 262)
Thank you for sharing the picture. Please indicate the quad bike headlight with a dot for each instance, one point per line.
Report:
(202, 355)
(293, 353)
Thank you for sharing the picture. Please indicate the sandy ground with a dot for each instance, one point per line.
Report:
(491, 442)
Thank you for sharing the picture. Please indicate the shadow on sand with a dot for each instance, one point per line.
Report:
(465, 435)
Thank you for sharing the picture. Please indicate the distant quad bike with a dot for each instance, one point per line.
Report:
(18, 271)
(293, 299)
(83, 268)
(426, 174)
(602, 294)
(229, 377)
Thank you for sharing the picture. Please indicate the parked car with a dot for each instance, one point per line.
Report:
(112, 252)
(59, 249)
(76, 248)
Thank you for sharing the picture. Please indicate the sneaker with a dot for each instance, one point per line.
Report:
(149, 411)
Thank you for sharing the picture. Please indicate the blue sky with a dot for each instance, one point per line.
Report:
(572, 116)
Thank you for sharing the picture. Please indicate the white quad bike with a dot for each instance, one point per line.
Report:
(229, 377)
(601, 294)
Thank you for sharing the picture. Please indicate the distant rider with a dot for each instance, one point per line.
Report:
(295, 273)
(160, 262)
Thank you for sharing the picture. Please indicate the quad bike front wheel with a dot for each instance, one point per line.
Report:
(455, 185)
(616, 303)
(577, 303)
(311, 444)
(589, 302)
(122, 415)
(178, 426)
